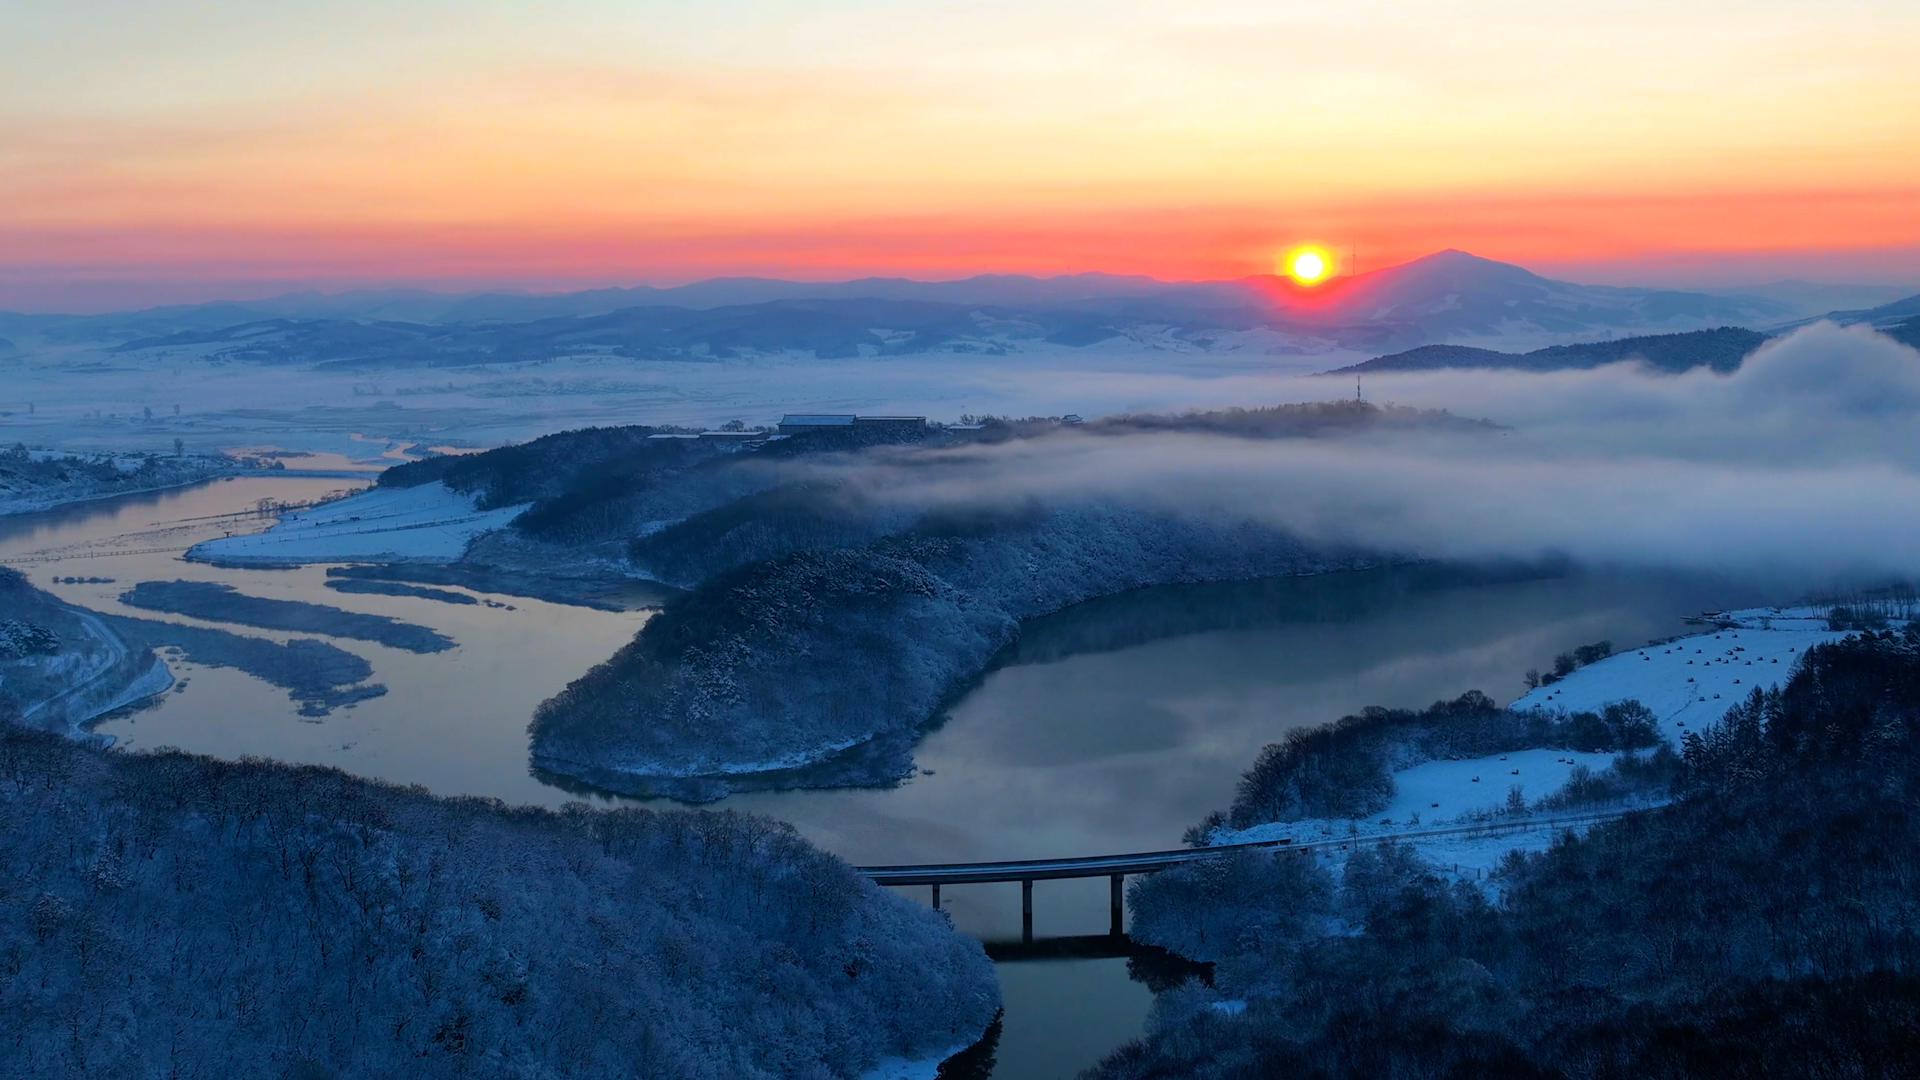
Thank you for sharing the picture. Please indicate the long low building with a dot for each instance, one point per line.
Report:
(798, 423)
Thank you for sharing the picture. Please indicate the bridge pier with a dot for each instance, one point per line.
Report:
(1116, 903)
(936, 896)
(1026, 910)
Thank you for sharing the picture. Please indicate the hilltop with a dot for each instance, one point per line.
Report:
(1721, 349)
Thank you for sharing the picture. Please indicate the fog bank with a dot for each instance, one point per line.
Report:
(1804, 464)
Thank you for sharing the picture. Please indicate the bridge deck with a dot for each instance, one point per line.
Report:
(1146, 862)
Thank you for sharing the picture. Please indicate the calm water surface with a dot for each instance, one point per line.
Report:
(1112, 728)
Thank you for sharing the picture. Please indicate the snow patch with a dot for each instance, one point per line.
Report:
(429, 523)
(1688, 683)
(917, 1068)
(1691, 682)
(1467, 791)
(1444, 792)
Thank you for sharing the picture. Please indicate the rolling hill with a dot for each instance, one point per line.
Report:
(1445, 297)
(1721, 349)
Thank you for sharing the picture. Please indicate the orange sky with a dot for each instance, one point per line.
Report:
(221, 147)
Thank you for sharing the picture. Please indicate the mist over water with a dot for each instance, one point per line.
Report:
(1800, 468)
(1114, 725)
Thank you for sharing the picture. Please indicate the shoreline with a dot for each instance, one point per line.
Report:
(24, 508)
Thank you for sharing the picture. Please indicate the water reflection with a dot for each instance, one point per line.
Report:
(1111, 727)
(454, 721)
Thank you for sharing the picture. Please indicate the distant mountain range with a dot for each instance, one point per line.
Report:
(1447, 297)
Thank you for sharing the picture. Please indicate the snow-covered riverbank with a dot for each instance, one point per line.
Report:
(429, 523)
(1688, 683)
(32, 481)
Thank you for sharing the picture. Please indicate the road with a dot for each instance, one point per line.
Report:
(113, 649)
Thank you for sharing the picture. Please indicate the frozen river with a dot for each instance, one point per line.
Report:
(1113, 726)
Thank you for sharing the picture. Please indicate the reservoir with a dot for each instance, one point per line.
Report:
(1111, 727)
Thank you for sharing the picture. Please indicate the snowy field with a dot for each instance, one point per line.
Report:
(1691, 682)
(430, 523)
(1688, 683)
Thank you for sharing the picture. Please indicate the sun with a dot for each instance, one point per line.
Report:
(1308, 266)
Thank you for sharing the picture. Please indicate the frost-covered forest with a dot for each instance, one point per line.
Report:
(602, 488)
(166, 915)
(1765, 923)
(823, 666)
(31, 481)
(826, 627)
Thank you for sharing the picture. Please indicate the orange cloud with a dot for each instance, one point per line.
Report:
(1181, 140)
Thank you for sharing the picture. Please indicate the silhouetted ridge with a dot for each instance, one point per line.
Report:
(1721, 349)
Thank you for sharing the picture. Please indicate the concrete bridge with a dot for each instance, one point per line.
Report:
(1116, 867)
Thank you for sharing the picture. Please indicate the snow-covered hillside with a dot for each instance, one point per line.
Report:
(832, 661)
(429, 523)
(1688, 683)
(666, 944)
(1692, 681)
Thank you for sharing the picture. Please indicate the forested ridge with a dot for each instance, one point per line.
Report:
(825, 625)
(820, 668)
(167, 915)
(609, 485)
(1721, 349)
(29, 482)
(1765, 923)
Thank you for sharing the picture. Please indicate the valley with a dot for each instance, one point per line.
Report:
(970, 637)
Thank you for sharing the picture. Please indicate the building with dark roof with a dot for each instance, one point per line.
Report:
(797, 423)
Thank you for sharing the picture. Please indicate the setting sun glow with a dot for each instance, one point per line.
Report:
(1306, 265)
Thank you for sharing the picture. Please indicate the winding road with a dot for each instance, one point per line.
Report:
(113, 651)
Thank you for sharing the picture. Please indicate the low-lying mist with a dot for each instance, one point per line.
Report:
(1802, 467)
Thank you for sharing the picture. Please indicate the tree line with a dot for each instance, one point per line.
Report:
(168, 915)
(1765, 923)
(1345, 769)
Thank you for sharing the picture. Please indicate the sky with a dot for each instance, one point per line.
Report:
(196, 147)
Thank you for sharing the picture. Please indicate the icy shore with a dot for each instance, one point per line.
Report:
(429, 523)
